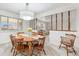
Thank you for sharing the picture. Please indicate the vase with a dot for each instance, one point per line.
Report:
(30, 33)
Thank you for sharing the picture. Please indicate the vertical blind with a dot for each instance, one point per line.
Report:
(63, 21)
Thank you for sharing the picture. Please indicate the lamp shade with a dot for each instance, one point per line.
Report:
(26, 15)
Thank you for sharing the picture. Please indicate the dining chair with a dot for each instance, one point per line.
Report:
(12, 42)
(19, 47)
(34, 33)
(41, 32)
(20, 33)
(38, 48)
(68, 42)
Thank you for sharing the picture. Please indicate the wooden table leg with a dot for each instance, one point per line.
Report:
(30, 48)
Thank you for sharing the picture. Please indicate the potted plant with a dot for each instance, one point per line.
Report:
(29, 30)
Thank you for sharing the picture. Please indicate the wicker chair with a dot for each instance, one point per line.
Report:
(38, 48)
(68, 42)
(20, 47)
(17, 47)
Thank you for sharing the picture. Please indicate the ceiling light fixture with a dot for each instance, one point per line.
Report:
(26, 14)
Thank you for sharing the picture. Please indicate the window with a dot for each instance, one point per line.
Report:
(12, 23)
(3, 23)
(7, 23)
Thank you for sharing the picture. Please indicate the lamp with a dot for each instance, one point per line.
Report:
(26, 14)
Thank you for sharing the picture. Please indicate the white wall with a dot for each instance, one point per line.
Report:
(4, 36)
(77, 21)
(8, 13)
(54, 11)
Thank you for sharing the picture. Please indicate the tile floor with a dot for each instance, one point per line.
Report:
(51, 50)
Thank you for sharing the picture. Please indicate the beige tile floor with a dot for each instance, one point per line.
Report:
(51, 50)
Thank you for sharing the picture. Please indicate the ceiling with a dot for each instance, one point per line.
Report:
(34, 7)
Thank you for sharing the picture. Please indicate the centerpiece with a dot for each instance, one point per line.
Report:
(29, 30)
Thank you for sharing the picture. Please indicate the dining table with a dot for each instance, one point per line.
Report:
(28, 39)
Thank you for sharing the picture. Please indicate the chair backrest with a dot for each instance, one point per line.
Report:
(72, 38)
(20, 33)
(12, 39)
(34, 33)
(41, 32)
(42, 42)
(15, 44)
